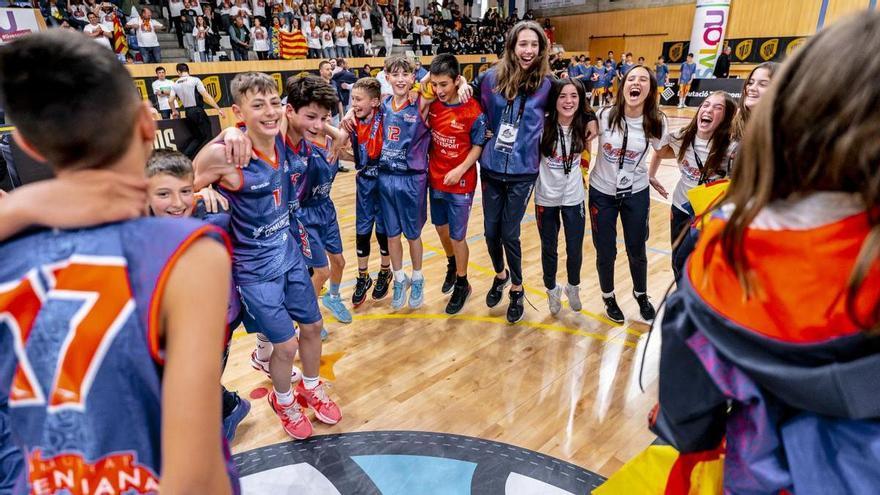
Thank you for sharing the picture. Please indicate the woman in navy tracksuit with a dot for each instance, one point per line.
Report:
(513, 95)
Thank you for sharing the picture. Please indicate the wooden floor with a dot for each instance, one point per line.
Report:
(566, 386)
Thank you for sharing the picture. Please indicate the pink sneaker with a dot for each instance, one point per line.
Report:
(295, 373)
(294, 422)
(326, 410)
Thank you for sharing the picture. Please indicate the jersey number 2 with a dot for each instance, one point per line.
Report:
(100, 283)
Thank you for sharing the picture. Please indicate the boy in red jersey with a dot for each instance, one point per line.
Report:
(81, 305)
(458, 133)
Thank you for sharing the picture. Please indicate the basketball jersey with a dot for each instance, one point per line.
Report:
(299, 155)
(319, 174)
(260, 218)
(367, 145)
(455, 129)
(82, 358)
(406, 139)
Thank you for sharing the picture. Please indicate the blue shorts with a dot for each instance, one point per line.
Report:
(367, 211)
(403, 203)
(318, 233)
(452, 209)
(268, 307)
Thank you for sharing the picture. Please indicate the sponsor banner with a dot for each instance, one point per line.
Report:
(554, 4)
(15, 23)
(700, 90)
(707, 34)
(743, 50)
(218, 85)
(171, 134)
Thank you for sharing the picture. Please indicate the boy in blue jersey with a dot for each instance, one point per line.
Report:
(403, 180)
(319, 236)
(270, 274)
(685, 78)
(146, 296)
(366, 144)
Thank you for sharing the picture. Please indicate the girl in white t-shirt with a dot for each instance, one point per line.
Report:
(200, 33)
(340, 33)
(357, 40)
(364, 16)
(261, 39)
(559, 191)
(703, 151)
(619, 185)
(328, 44)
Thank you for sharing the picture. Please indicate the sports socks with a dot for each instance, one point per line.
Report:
(310, 383)
(399, 275)
(334, 289)
(264, 348)
(417, 275)
(284, 398)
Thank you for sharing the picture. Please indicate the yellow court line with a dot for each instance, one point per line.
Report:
(531, 290)
(491, 319)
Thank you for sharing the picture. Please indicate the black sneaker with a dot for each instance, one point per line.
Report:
(460, 295)
(449, 281)
(383, 282)
(364, 282)
(497, 290)
(612, 310)
(645, 307)
(515, 310)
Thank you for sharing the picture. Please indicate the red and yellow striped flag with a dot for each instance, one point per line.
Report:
(290, 46)
(120, 44)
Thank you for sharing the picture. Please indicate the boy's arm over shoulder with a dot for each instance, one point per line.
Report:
(193, 316)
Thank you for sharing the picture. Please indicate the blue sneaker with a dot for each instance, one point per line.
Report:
(334, 303)
(398, 297)
(230, 423)
(417, 294)
(324, 334)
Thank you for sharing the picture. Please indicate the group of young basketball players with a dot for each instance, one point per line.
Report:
(114, 344)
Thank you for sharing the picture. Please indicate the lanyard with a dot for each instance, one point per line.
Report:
(507, 111)
(704, 173)
(622, 156)
(567, 157)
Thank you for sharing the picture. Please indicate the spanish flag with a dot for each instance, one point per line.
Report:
(120, 45)
(289, 46)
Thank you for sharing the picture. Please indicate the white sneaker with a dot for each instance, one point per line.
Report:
(573, 292)
(554, 299)
(260, 365)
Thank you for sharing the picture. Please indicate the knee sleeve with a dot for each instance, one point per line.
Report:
(362, 243)
(383, 243)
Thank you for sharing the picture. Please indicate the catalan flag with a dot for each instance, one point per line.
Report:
(289, 46)
(120, 45)
(661, 470)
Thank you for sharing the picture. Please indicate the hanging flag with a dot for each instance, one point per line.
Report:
(120, 44)
(661, 470)
(289, 46)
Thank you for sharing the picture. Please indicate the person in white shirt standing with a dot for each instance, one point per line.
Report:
(340, 32)
(147, 39)
(175, 7)
(261, 39)
(364, 16)
(96, 31)
(559, 191)
(162, 90)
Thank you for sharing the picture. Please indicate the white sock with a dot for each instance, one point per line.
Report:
(284, 398)
(417, 275)
(607, 295)
(637, 294)
(310, 383)
(399, 275)
(264, 348)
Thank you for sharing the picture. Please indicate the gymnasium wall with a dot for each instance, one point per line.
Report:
(642, 31)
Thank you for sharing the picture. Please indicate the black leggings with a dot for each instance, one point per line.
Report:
(633, 213)
(504, 205)
(573, 221)
(679, 221)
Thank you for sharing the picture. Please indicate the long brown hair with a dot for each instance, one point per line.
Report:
(815, 134)
(743, 112)
(512, 79)
(550, 137)
(652, 116)
(720, 138)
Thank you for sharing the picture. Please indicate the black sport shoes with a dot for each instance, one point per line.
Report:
(449, 281)
(515, 310)
(612, 310)
(364, 282)
(645, 307)
(497, 290)
(460, 293)
(383, 282)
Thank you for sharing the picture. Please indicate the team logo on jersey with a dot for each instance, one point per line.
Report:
(410, 118)
(70, 473)
(768, 49)
(456, 125)
(744, 49)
